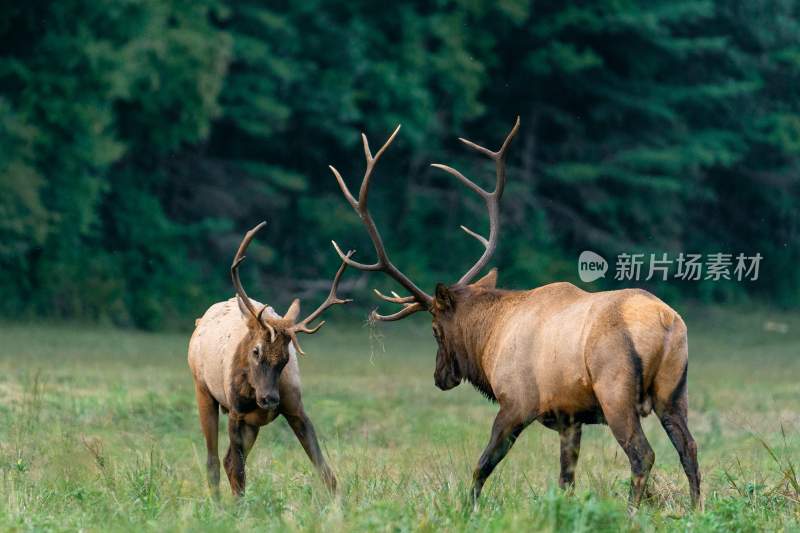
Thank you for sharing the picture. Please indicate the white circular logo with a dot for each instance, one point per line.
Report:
(591, 266)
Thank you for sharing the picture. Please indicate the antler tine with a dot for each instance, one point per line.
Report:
(355, 264)
(408, 309)
(363, 193)
(383, 263)
(395, 298)
(478, 236)
(492, 199)
(343, 186)
(365, 142)
(509, 138)
(499, 154)
(237, 282)
(331, 300)
(465, 180)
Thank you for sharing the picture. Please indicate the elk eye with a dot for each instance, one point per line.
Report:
(255, 351)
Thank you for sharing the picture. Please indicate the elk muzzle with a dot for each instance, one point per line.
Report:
(447, 374)
(266, 389)
(269, 401)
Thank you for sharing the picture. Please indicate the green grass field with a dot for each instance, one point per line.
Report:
(98, 431)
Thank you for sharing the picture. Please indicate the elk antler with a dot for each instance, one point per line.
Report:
(237, 283)
(419, 300)
(492, 199)
(331, 300)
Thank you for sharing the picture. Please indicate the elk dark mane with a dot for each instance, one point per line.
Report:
(481, 384)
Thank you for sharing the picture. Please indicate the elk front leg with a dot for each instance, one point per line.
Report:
(249, 435)
(570, 437)
(505, 430)
(208, 409)
(235, 458)
(304, 431)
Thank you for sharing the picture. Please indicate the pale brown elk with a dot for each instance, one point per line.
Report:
(556, 354)
(243, 358)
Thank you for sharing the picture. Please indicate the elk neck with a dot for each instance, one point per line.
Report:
(477, 314)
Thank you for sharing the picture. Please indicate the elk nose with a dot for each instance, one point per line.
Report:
(269, 401)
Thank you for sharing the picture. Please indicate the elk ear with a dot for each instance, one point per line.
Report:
(489, 281)
(293, 311)
(444, 300)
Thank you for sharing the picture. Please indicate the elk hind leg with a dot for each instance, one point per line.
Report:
(620, 412)
(628, 432)
(673, 411)
(208, 409)
(570, 437)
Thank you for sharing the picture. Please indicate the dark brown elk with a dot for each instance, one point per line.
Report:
(243, 358)
(555, 354)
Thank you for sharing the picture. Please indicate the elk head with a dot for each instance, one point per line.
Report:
(266, 347)
(450, 301)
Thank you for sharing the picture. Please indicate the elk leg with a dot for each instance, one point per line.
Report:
(675, 423)
(570, 437)
(234, 459)
(249, 435)
(208, 409)
(627, 429)
(505, 431)
(304, 431)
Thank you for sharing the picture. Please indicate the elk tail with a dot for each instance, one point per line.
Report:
(667, 319)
